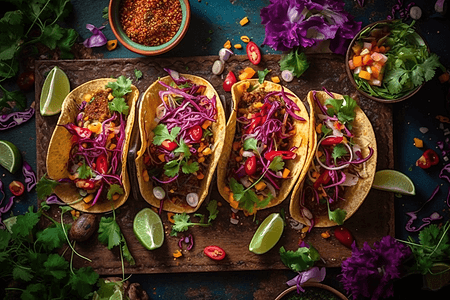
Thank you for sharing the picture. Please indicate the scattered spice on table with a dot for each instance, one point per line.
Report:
(151, 23)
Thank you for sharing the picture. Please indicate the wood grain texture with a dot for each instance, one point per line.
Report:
(373, 220)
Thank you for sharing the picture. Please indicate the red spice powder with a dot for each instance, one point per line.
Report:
(150, 22)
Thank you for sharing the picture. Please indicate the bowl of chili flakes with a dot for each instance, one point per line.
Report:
(149, 27)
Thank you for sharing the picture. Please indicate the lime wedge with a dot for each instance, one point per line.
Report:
(267, 234)
(55, 89)
(9, 223)
(10, 157)
(148, 228)
(393, 181)
(116, 296)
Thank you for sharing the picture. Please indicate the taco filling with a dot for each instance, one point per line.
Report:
(338, 161)
(262, 145)
(179, 153)
(98, 137)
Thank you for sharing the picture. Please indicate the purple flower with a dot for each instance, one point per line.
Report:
(370, 272)
(97, 39)
(314, 274)
(290, 23)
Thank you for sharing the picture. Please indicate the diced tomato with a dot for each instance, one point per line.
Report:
(169, 145)
(351, 65)
(367, 60)
(229, 81)
(196, 133)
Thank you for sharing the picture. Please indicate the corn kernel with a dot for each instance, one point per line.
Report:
(243, 21)
(418, 143)
(325, 234)
(238, 46)
(245, 39)
(275, 79)
(207, 151)
(87, 97)
(227, 44)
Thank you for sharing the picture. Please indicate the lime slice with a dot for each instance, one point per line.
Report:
(393, 181)
(116, 296)
(148, 228)
(55, 89)
(267, 234)
(10, 222)
(10, 157)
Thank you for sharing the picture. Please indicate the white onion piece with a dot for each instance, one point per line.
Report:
(248, 154)
(160, 111)
(271, 188)
(192, 199)
(336, 132)
(225, 54)
(218, 67)
(287, 75)
(350, 180)
(245, 182)
(333, 168)
(159, 192)
(307, 213)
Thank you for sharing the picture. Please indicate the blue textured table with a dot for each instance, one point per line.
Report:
(212, 23)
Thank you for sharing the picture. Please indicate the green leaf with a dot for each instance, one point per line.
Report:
(51, 35)
(189, 168)
(57, 266)
(338, 215)
(114, 189)
(294, 62)
(251, 144)
(237, 189)
(120, 87)
(126, 252)
(137, 74)
(109, 232)
(162, 133)
(343, 109)
(84, 171)
(213, 211)
(34, 291)
(183, 148)
(83, 280)
(118, 104)
(25, 224)
(52, 237)
(17, 97)
(326, 130)
(262, 75)
(105, 14)
(277, 164)
(22, 273)
(339, 150)
(172, 168)
(181, 222)
(44, 187)
(301, 259)
(5, 237)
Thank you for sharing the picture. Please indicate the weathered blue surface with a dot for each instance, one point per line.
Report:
(212, 23)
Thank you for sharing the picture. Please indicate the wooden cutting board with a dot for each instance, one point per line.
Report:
(373, 220)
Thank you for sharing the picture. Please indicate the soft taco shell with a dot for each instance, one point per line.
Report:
(147, 113)
(301, 140)
(354, 195)
(60, 145)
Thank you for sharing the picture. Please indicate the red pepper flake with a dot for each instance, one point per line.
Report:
(150, 22)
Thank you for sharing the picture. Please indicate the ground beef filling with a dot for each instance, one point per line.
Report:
(97, 108)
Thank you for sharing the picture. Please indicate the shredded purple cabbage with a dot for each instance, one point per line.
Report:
(53, 199)
(314, 274)
(30, 176)
(97, 39)
(5, 209)
(426, 221)
(15, 118)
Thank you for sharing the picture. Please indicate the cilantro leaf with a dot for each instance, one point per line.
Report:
(120, 87)
(301, 259)
(294, 62)
(56, 266)
(84, 171)
(16, 97)
(162, 133)
(109, 232)
(183, 148)
(325, 130)
(138, 74)
(126, 252)
(105, 13)
(52, 237)
(338, 215)
(213, 211)
(45, 186)
(277, 164)
(182, 222)
(237, 189)
(172, 168)
(83, 280)
(339, 151)
(114, 189)
(118, 104)
(251, 144)
(25, 224)
(189, 168)
(343, 109)
(262, 75)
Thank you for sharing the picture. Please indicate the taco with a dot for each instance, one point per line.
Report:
(182, 128)
(87, 151)
(267, 145)
(343, 162)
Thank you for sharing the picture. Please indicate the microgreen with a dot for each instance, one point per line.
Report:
(182, 221)
(301, 259)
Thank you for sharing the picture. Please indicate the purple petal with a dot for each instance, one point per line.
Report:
(30, 176)
(7, 207)
(97, 39)
(54, 200)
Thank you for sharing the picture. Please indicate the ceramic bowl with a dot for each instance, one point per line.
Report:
(114, 21)
(293, 291)
(349, 54)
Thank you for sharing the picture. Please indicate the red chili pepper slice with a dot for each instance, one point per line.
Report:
(255, 122)
(196, 133)
(17, 188)
(344, 236)
(214, 252)
(284, 155)
(169, 145)
(429, 158)
(101, 164)
(324, 178)
(229, 81)
(332, 141)
(83, 133)
(250, 165)
(253, 53)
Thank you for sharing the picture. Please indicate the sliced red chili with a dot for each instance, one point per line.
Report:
(254, 122)
(196, 133)
(332, 141)
(284, 155)
(429, 158)
(344, 236)
(83, 133)
(250, 165)
(169, 145)
(17, 188)
(214, 252)
(323, 178)
(101, 164)
(253, 53)
(229, 81)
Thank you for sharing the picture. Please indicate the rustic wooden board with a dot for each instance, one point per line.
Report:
(373, 220)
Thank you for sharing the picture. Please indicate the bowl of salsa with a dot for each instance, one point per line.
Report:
(149, 27)
(389, 61)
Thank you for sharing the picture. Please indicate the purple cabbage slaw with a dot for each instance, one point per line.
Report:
(89, 149)
(269, 134)
(97, 39)
(7, 207)
(16, 118)
(335, 167)
(30, 176)
(184, 107)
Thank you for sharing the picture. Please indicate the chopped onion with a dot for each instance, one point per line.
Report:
(248, 153)
(350, 180)
(287, 75)
(159, 192)
(225, 54)
(271, 188)
(334, 168)
(160, 111)
(192, 199)
(245, 182)
(218, 67)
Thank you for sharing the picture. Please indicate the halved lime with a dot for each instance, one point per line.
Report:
(267, 234)
(393, 181)
(148, 228)
(9, 223)
(10, 157)
(55, 89)
(116, 296)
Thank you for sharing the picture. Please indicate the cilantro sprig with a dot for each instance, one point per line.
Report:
(338, 215)
(301, 259)
(120, 88)
(182, 221)
(294, 62)
(343, 109)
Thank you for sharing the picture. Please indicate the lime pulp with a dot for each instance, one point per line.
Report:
(148, 229)
(267, 234)
(55, 89)
(10, 157)
(393, 181)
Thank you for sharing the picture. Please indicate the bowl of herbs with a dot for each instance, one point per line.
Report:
(389, 61)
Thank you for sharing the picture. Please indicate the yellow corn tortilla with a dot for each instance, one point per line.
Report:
(300, 140)
(353, 195)
(147, 113)
(60, 146)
